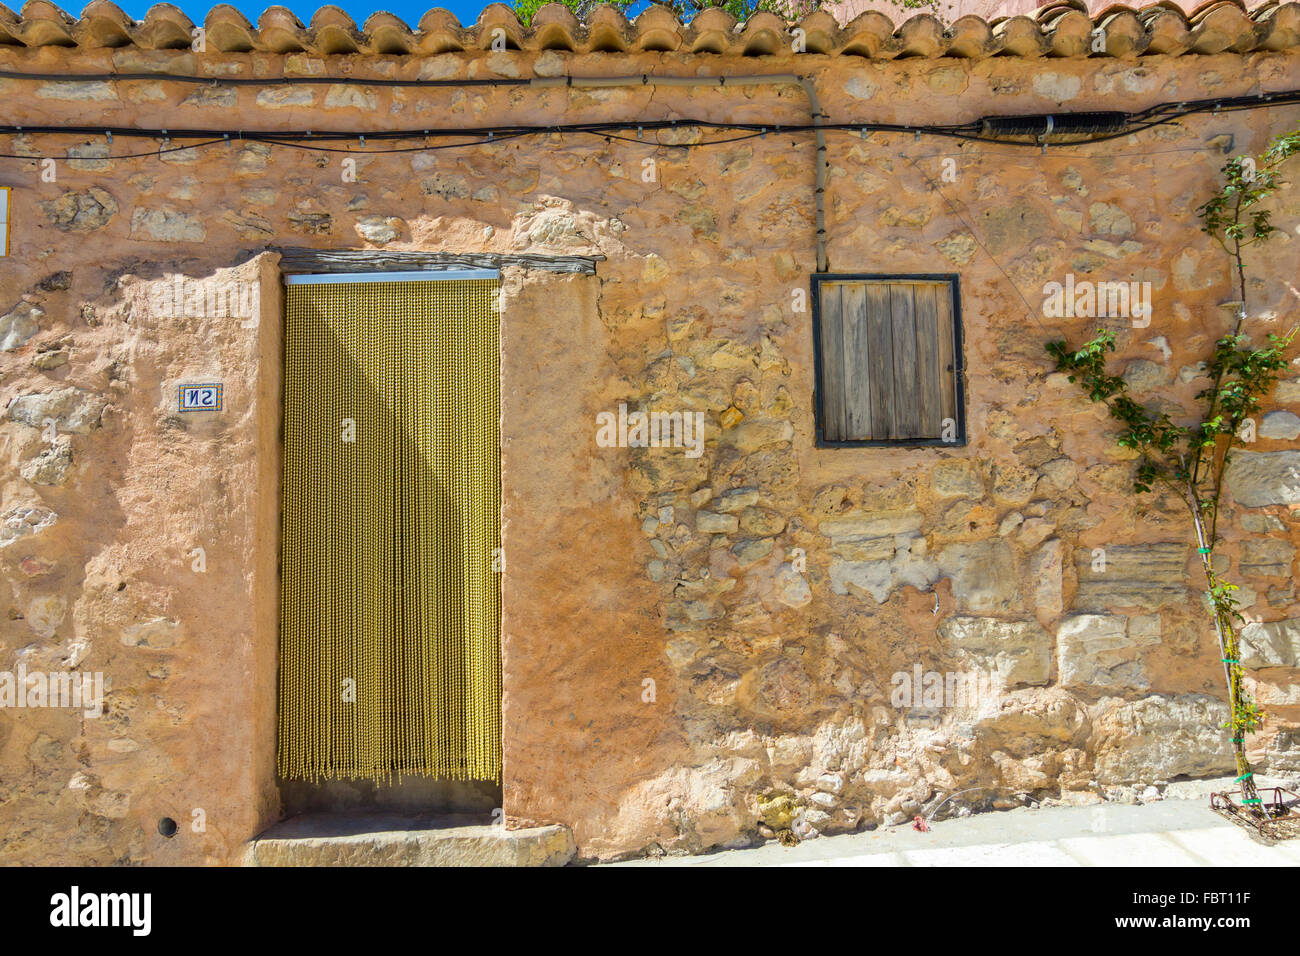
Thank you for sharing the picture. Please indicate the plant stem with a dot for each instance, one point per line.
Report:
(1229, 649)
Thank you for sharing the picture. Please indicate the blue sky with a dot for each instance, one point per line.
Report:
(466, 11)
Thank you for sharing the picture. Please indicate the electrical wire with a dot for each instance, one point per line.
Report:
(1142, 154)
(1186, 106)
(315, 142)
(974, 131)
(405, 149)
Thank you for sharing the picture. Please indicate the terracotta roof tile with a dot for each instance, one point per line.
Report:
(1059, 29)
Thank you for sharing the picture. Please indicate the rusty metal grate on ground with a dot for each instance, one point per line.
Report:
(1275, 817)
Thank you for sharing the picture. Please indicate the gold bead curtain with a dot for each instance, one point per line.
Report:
(390, 659)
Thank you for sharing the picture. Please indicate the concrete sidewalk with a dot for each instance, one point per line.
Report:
(1171, 832)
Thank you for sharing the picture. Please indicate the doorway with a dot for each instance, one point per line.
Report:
(390, 661)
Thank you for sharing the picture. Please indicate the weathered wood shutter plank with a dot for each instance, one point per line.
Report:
(880, 367)
(907, 403)
(928, 376)
(857, 358)
(948, 377)
(832, 358)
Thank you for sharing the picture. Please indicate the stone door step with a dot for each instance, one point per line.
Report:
(391, 840)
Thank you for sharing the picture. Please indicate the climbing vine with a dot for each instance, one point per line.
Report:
(1190, 460)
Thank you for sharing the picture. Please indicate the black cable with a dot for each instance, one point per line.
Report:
(483, 135)
(499, 138)
(405, 149)
(657, 144)
(315, 139)
(1157, 115)
(1184, 107)
(152, 152)
(315, 142)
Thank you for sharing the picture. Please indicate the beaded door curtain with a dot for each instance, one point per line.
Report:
(390, 661)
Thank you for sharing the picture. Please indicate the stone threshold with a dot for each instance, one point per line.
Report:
(351, 839)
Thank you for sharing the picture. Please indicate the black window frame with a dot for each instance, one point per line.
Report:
(959, 378)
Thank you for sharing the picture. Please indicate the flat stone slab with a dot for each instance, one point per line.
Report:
(404, 840)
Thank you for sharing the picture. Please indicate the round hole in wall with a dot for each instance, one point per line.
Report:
(167, 827)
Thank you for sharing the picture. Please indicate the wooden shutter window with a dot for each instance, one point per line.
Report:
(887, 360)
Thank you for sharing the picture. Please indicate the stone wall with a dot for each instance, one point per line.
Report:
(141, 544)
(694, 647)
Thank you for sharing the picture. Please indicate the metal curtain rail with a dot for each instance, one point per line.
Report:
(431, 275)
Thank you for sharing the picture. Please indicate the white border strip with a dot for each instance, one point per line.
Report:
(429, 275)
